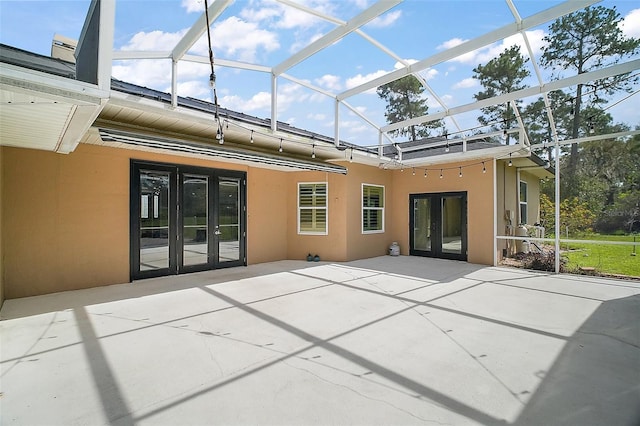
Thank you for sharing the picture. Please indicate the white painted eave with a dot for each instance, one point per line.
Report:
(44, 111)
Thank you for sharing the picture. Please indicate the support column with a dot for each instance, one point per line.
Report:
(274, 103)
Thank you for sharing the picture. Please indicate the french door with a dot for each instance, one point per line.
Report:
(438, 225)
(186, 219)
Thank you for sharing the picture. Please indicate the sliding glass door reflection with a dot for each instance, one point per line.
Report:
(154, 220)
(195, 220)
(229, 210)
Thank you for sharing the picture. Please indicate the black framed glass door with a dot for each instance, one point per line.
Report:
(438, 225)
(185, 219)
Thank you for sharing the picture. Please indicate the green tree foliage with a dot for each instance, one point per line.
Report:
(584, 41)
(575, 216)
(405, 100)
(607, 182)
(620, 161)
(501, 75)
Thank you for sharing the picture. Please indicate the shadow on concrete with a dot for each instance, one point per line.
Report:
(406, 382)
(55, 302)
(114, 405)
(594, 381)
(596, 378)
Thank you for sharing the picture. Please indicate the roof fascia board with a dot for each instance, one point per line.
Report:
(152, 106)
(616, 69)
(198, 28)
(498, 153)
(81, 120)
(336, 34)
(58, 88)
(175, 145)
(471, 45)
(157, 107)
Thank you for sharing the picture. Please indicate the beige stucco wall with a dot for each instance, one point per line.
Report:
(1, 227)
(332, 246)
(66, 217)
(267, 219)
(345, 240)
(508, 199)
(370, 244)
(479, 188)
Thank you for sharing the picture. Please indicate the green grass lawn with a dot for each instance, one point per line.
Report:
(606, 258)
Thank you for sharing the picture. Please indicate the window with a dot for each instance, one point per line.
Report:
(312, 208)
(372, 208)
(523, 202)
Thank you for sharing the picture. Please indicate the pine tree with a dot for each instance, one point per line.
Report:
(405, 101)
(584, 41)
(501, 75)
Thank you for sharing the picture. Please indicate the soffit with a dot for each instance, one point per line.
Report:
(44, 111)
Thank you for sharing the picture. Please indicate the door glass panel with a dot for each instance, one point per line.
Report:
(422, 224)
(228, 229)
(154, 220)
(195, 215)
(452, 225)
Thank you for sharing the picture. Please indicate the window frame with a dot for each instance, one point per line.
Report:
(363, 208)
(521, 203)
(325, 208)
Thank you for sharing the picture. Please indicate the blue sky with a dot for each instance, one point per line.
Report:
(267, 32)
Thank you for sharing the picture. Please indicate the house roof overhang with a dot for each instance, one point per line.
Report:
(152, 143)
(40, 110)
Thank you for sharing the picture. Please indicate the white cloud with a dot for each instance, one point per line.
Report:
(361, 109)
(360, 4)
(259, 101)
(317, 117)
(300, 44)
(399, 65)
(631, 24)
(428, 74)
(194, 89)
(451, 43)
(285, 17)
(191, 70)
(151, 73)
(330, 82)
(154, 40)
(467, 83)
(359, 79)
(193, 5)
(354, 127)
(386, 20)
(241, 39)
(231, 37)
(487, 53)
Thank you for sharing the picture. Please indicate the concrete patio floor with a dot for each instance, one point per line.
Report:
(390, 340)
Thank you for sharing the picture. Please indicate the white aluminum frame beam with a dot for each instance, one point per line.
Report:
(228, 63)
(198, 28)
(336, 34)
(616, 69)
(471, 45)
